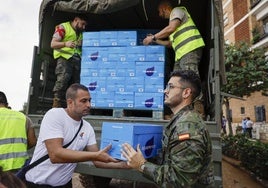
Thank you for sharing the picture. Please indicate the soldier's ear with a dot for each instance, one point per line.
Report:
(186, 93)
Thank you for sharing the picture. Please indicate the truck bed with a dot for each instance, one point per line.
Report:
(128, 174)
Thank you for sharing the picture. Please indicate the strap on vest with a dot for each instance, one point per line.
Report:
(13, 155)
(186, 41)
(65, 52)
(13, 141)
(192, 27)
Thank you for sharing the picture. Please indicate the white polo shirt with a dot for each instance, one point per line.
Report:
(58, 124)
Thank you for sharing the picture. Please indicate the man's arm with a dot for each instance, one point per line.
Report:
(58, 154)
(165, 43)
(57, 39)
(98, 164)
(177, 170)
(57, 44)
(172, 26)
(164, 33)
(31, 137)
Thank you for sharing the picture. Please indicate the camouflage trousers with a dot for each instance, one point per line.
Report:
(67, 73)
(189, 61)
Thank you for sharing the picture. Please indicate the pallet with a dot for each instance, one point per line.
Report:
(120, 113)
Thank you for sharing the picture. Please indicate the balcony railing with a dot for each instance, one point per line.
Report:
(253, 3)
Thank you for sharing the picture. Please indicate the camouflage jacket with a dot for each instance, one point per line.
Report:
(187, 153)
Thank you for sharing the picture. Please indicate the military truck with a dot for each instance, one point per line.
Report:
(130, 15)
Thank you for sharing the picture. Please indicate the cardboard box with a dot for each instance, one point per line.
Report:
(127, 34)
(134, 84)
(94, 72)
(91, 35)
(108, 34)
(153, 101)
(116, 84)
(147, 135)
(126, 42)
(150, 71)
(124, 100)
(104, 99)
(94, 54)
(94, 83)
(155, 49)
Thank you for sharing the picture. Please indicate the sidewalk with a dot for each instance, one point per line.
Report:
(236, 164)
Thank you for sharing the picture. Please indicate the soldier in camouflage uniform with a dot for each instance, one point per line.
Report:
(186, 160)
(66, 43)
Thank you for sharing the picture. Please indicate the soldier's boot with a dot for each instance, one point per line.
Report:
(56, 102)
(199, 107)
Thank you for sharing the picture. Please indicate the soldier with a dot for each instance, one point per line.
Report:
(184, 37)
(66, 43)
(186, 160)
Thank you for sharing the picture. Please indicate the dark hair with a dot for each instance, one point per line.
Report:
(169, 3)
(81, 16)
(3, 98)
(189, 79)
(72, 90)
(9, 180)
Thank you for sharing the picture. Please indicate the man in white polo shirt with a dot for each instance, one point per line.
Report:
(58, 128)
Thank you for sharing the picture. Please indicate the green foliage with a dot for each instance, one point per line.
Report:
(252, 154)
(256, 34)
(246, 70)
(231, 145)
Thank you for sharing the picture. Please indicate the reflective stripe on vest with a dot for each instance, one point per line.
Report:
(70, 35)
(13, 139)
(186, 38)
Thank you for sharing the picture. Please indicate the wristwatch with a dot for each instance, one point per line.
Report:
(153, 38)
(142, 167)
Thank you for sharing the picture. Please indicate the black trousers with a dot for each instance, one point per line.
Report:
(33, 185)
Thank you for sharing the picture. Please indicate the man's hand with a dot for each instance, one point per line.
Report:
(123, 165)
(148, 40)
(70, 44)
(103, 156)
(134, 158)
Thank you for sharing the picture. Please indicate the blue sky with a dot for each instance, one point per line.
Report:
(18, 36)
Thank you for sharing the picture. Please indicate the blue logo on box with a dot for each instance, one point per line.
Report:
(92, 86)
(149, 102)
(150, 71)
(94, 56)
(149, 146)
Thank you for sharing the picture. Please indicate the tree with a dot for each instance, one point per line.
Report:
(246, 72)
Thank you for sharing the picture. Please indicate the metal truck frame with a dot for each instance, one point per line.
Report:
(130, 15)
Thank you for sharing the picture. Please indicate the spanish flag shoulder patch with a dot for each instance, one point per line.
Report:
(184, 136)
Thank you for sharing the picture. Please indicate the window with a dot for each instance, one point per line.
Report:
(242, 110)
(265, 26)
(260, 113)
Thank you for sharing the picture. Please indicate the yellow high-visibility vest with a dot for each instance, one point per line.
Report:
(186, 38)
(70, 35)
(13, 139)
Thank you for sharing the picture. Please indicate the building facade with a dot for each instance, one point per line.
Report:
(247, 20)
